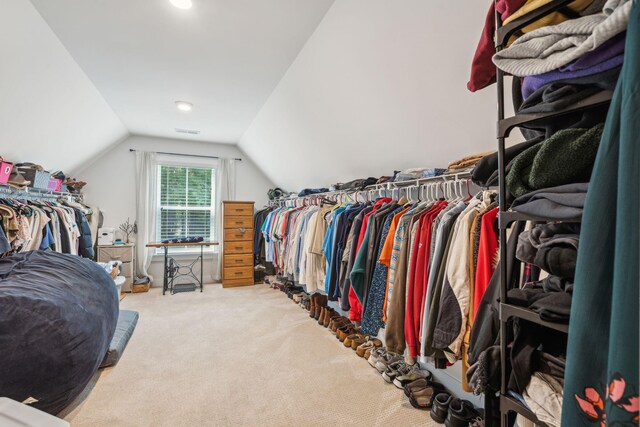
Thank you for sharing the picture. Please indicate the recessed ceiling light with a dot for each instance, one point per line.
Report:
(184, 105)
(182, 4)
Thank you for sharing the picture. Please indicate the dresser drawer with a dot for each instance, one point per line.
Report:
(238, 222)
(244, 260)
(231, 283)
(124, 254)
(238, 234)
(238, 273)
(238, 209)
(245, 247)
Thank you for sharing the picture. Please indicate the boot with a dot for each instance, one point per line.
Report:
(320, 303)
(312, 304)
(323, 312)
(330, 312)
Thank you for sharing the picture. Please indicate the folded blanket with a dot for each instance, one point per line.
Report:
(549, 48)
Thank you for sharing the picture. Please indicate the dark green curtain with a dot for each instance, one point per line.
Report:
(601, 379)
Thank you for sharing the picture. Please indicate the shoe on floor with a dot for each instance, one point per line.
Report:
(354, 340)
(440, 408)
(364, 349)
(336, 322)
(461, 413)
(411, 375)
(416, 385)
(329, 313)
(424, 398)
(395, 369)
(478, 422)
(321, 302)
(387, 359)
(375, 355)
(343, 332)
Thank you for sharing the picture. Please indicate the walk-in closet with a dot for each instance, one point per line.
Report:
(319, 213)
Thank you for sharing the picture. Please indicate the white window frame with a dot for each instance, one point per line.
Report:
(187, 162)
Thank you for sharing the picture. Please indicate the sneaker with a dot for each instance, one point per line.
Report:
(375, 354)
(387, 359)
(411, 375)
(395, 369)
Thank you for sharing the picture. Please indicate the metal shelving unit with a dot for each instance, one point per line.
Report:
(508, 311)
(508, 217)
(504, 127)
(509, 404)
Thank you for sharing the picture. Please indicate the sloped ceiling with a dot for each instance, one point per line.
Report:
(224, 56)
(50, 112)
(380, 85)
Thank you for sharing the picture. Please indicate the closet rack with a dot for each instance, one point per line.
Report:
(425, 186)
(35, 194)
(509, 404)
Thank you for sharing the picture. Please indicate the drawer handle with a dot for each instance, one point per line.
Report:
(238, 273)
(239, 222)
(238, 248)
(239, 209)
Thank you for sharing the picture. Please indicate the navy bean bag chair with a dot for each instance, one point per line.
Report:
(58, 314)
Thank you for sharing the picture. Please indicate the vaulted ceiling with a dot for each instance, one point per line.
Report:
(313, 91)
(225, 57)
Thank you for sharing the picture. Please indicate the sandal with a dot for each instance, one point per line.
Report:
(423, 399)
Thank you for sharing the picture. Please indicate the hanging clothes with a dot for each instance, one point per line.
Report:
(62, 226)
(601, 378)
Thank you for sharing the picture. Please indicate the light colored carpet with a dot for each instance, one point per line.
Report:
(237, 357)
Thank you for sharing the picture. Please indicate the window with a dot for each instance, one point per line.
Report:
(186, 203)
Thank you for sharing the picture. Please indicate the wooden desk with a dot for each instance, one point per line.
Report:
(172, 267)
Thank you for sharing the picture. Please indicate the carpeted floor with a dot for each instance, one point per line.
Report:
(237, 357)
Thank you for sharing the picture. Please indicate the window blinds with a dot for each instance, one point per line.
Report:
(186, 202)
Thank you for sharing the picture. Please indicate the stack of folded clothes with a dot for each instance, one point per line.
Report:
(466, 163)
(557, 63)
(537, 354)
(418, 173)
(311, 191)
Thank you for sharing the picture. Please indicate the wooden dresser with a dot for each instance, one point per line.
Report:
(126, 254)
(237, 265)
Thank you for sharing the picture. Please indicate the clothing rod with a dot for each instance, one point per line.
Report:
(185, 155)
(385, 185)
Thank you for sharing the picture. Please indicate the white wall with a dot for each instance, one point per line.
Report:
(111, 179)
(380, 85)
(50, 112)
